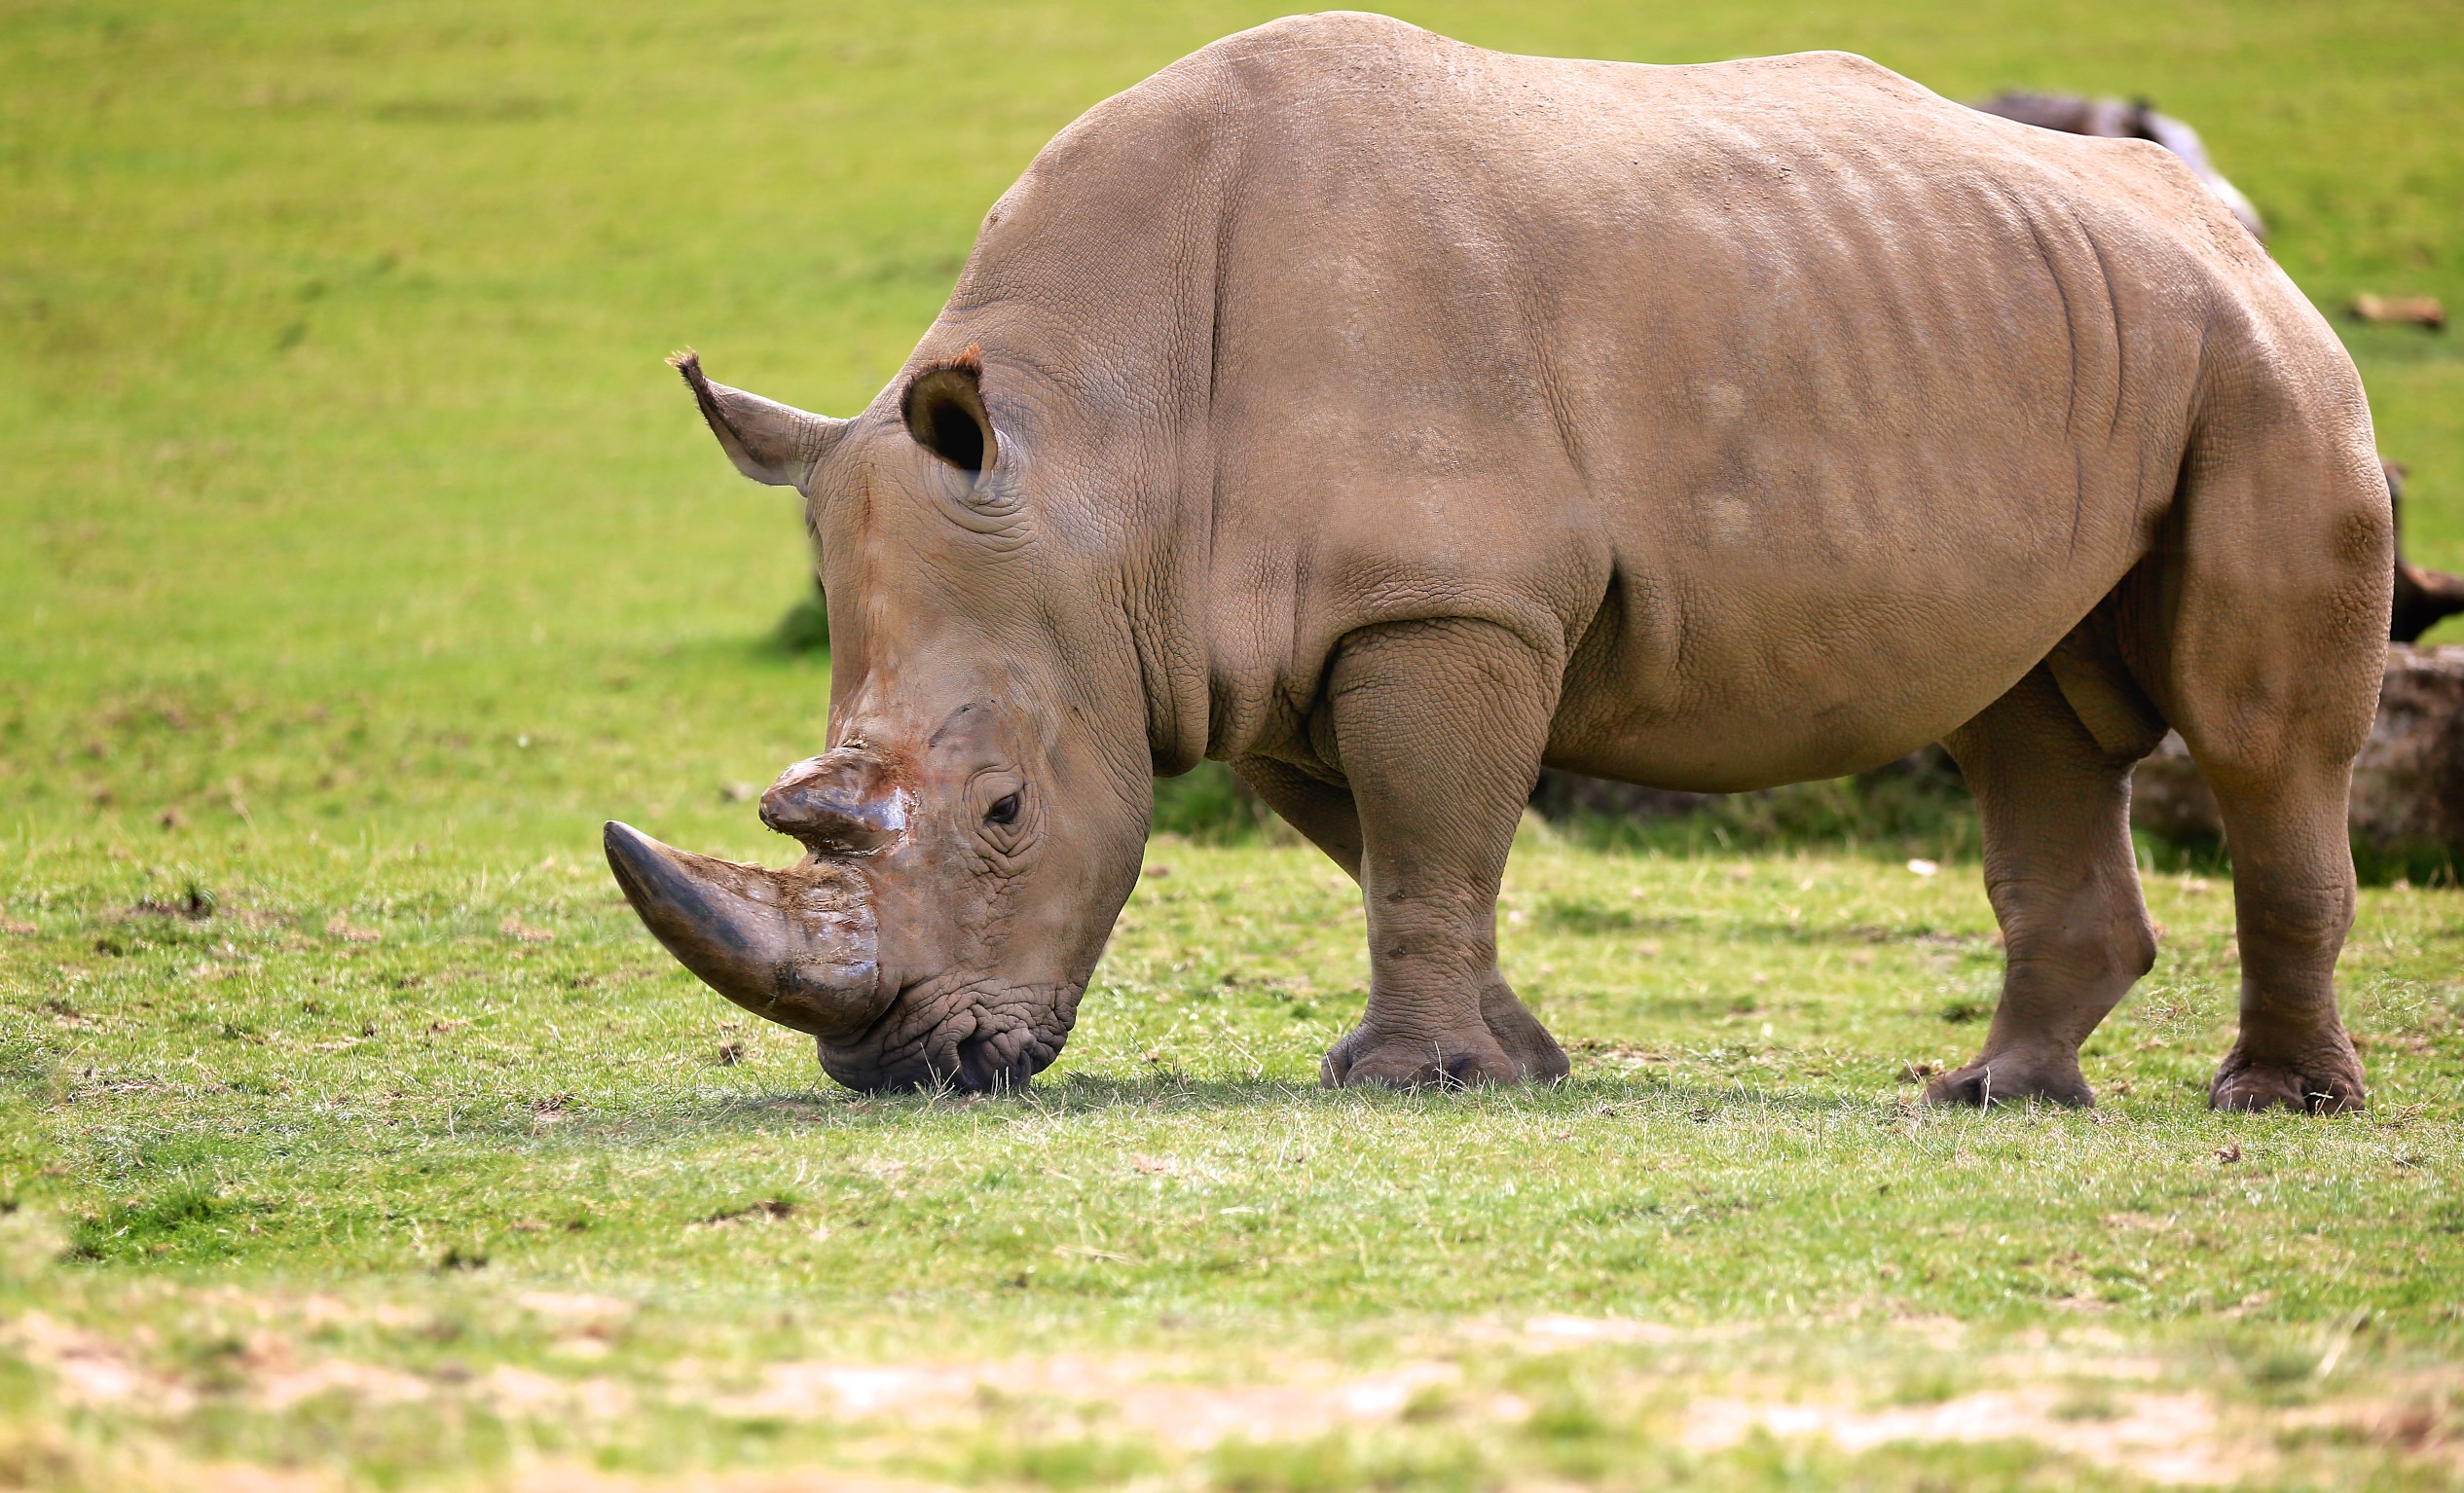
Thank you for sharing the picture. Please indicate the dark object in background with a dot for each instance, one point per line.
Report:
(2113, 120)
(1885, 803)
(805, 626)
(1563, 795)
(2407, 808)
(2422, 596)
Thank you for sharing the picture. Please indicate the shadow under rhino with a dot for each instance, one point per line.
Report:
(1651, 1092)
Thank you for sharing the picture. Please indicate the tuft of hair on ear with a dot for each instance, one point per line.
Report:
(943, 408)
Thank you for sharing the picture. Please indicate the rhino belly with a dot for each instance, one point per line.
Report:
(1732, 654)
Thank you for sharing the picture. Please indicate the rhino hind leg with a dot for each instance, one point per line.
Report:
(2274, 663)
(1438, 727)
(2292, 900)
(2059, 870)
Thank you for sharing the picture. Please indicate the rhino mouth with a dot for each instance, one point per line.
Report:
(959, 1034)
(799, 947)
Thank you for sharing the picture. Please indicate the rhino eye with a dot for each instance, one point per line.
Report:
(1004, 810)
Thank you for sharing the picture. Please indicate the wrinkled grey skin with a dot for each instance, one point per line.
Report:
(2422, 596)
(1390, 417)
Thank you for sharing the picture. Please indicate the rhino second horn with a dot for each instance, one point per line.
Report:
(794, 946)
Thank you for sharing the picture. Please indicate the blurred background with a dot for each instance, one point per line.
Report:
(343, 493)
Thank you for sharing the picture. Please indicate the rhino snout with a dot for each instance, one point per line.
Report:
(958, 1035)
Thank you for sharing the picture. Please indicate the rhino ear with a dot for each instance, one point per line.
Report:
(945, 411)
(768, 441)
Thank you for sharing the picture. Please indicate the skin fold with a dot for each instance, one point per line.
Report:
(1390, 417)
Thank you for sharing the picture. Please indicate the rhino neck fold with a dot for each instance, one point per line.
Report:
(1169, 161)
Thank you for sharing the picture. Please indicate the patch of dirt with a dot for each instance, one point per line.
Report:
(2167, 1438)
(1199, 1416)
(1931, 1328)
(281, 1387)
(326, 1311)
(275, 1384)
(2084, 1395)
(232, 1478)
(564, 1478)
(90, 1371)
(195, 905)
(751, 1213)
(348, 932)
(522, 1392)
(523, 932)
(1554, 1331)
(2429, 1427)
(572, 1306)
(1139, 1395)
(1563, 1331)
(2051, 1364)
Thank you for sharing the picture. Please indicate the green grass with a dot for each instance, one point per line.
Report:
(359, 557)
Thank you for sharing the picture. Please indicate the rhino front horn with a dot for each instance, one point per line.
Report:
(794, 946)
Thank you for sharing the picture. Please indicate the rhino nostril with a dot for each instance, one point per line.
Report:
(998, 1064)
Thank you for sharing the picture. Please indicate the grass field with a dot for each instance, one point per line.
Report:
(357, 557)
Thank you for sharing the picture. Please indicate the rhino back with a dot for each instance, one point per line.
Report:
(1793, 398)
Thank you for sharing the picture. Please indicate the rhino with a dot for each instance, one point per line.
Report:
(1388, 418)
(2112, 118)
(2423, 598)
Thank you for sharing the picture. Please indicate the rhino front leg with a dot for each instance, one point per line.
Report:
(1439, 728)
(1319, 810)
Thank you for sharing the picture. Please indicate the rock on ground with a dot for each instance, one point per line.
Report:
(2408, 782)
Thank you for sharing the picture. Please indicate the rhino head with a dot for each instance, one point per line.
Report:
(972, 828)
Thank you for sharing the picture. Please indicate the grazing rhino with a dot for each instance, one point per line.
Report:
(1390, 417)
(2113, 120)
(2423, 598)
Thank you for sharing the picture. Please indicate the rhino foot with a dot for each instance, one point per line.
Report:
(2009, 1079)
(1527, 1044)
(1369, 1058)
(2325, 1077)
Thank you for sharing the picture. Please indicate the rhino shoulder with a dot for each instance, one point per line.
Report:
(1166, 125)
